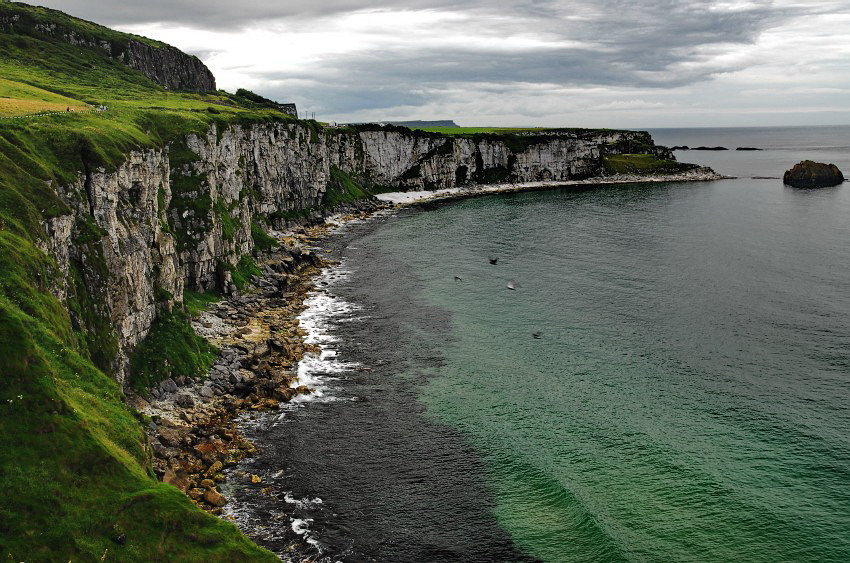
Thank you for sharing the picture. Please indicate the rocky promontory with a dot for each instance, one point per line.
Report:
(810, 174)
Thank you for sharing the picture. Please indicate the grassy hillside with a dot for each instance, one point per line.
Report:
(76, 477)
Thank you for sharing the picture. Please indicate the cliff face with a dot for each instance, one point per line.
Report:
(169, 67)
(180, 216)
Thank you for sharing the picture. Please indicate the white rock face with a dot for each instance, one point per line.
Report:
(136, 236)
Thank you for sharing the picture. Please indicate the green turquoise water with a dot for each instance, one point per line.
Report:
(689, 396)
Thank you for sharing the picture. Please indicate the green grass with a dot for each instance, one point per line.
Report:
(75, 467)
(242, 272)
(195, 302)
(641, 164)
(263, 242)
(172, 348)
(342, 188)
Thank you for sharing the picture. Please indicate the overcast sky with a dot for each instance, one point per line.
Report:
(589, 63)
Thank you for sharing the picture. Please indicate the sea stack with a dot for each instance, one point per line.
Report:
(810, 174)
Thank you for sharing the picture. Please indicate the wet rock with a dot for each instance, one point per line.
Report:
(208, 484)
(195, 494)
(810, 174)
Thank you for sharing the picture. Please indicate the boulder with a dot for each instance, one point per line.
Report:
(177, 479)
(185, 400)
(214, 498)
(810, 174)
(172, 435)
(168, 386)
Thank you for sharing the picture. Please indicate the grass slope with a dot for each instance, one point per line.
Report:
(75, 471)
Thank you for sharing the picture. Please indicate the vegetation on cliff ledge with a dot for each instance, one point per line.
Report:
(642, 164)
(171, 348)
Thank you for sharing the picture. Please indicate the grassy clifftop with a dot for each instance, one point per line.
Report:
(76, 478)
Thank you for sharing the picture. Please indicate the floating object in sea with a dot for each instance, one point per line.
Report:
(511, 284)
(494, 260)
(538, 335)
(458, 278)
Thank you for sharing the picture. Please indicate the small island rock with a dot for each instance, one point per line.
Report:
(810, 174)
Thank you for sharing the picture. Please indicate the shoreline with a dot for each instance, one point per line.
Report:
(194, 423)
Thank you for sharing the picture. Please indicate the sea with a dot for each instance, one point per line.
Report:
(667, 378)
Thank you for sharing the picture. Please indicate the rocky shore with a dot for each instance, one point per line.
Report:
(192, 422)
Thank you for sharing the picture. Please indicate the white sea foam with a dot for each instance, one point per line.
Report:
(301, 526)
(303, 502)
(323, 311)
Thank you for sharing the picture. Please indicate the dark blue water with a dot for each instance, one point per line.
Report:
(688, 397)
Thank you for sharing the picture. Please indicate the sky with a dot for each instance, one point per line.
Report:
(571, 63)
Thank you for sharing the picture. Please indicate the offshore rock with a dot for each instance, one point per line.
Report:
(810, 174)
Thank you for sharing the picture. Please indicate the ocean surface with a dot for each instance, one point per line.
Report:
(668, 381)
